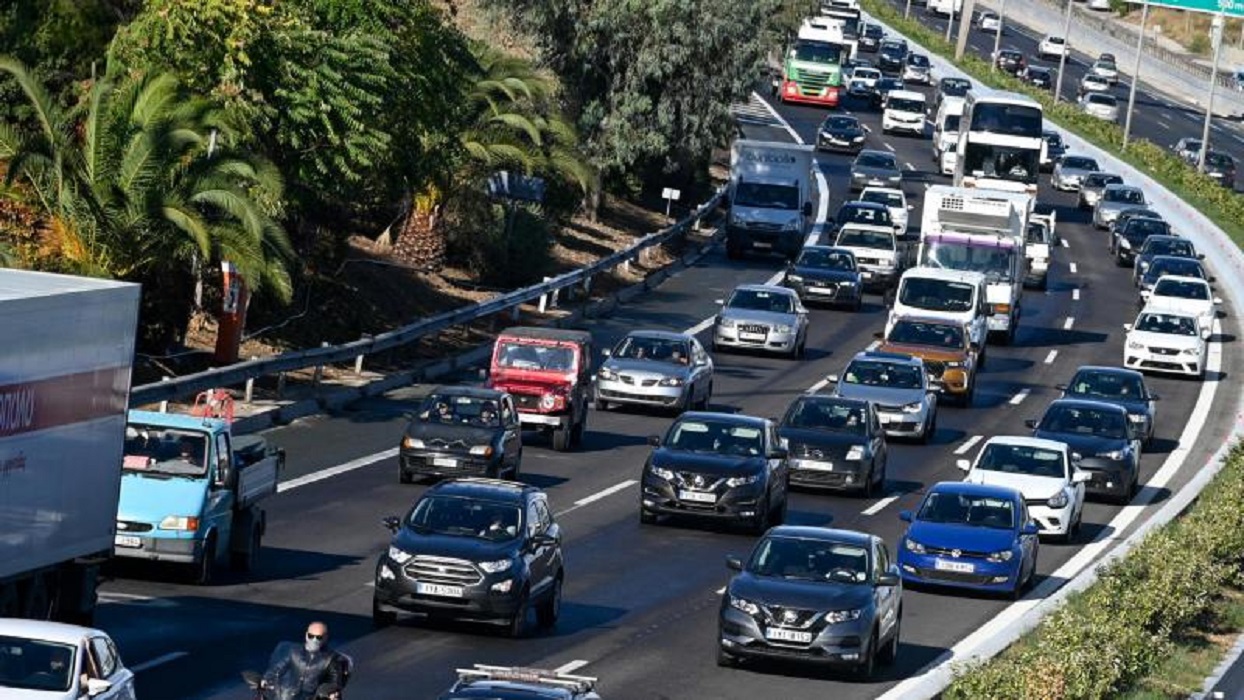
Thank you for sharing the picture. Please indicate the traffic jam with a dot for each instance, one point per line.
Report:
(946, 267)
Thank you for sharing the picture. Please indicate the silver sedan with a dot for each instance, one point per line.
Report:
(1100, 105)
(762, 317)
(1070, 171)
(1093, 184)
(899, 385)
(656, 368)
(1114, 199)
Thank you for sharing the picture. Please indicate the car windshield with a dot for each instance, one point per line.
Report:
(873, 32)
(1123, 195)
(1107, 63)
(1054, 139)
(455, 409)
(765, 195)
(1182, 267)
(967, 509)
(918, 60)
(1055, 40)
(640, 347)
(1036, 233)
(841, 123)
(939, 335)
(866, 73)
(1022, 459)
(937, 295)
(34, 664)
(539, 357)
(863, 238)
(1079, 163)
(1169, 324)
(809, 560)
(1100, 99)
(893, 200)
(826, 260)
(903, 104)
(875, 216)
(827, 415)
(1221, 160)
(818, 52)
(760, 300)
(876, 160)
(716, 437)
(1101, 180)
(955, 87)
(1181, 289)
(889, 84)
(1083, 420)
(154, 450)
(466, 517)
(1169, 246)
(1107, 385)
(1143, 228)
(893, 375)
(1097, 80)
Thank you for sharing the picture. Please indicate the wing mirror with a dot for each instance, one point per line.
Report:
(734, 563)
(965, 465)
(97, 686)
(1217, 301)
(606, 352)
(483, 375)
(1205, 334)
(1030, 529)
(654, 440)
(1060, 387)
(831, 378)
(1155, 397)
(1077, 457)
(888, 579)
(719, 302)
(911, 207)
(879, 335)
(1031, 423)
(1081, 477)
(1127, 327)
(392, 522)
(905, 516)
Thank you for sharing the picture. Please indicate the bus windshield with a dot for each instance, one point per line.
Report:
(1011, 163)
(1009, 119)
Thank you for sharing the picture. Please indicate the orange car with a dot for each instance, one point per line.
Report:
(946, 348)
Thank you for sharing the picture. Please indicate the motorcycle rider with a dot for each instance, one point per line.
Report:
(297, 673)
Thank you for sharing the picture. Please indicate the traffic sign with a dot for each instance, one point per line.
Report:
(1232, 8)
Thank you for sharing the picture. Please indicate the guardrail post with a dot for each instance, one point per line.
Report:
(358, 359)
(516, 312)
(164, 404)
(319, 370)
(280, 385)
(587, 286)
(250, 386)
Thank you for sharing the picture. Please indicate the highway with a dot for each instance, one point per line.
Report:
(640, 608)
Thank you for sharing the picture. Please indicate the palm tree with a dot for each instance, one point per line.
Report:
(128, 189)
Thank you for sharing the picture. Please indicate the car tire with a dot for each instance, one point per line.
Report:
(930, 430)
(403, 477)
(204, 572)
(244, 561)
(517, 626)
(859, 303)
(647, 518)
(551, 609)
(867, 667)
(379, 616)
(598, 403)
(760, 522)
(890, 653)
(702, 405)
(561, 439)
(724, 659)
(869, 488)
(778, 517)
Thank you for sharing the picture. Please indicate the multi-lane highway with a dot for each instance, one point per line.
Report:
(641, 602)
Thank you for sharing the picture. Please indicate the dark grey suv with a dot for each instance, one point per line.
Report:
(480, 549)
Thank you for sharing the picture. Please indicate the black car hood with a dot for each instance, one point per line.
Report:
(450, 432)
(470, 548)
(819, 438)
(805, 595)
(707, 464)
(1086, 445)
(821, 273)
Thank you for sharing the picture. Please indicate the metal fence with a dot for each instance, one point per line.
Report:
(176, 388)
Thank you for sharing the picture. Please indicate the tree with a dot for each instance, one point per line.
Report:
(126, 189)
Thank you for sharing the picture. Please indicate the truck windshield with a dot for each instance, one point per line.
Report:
(818, 52)
(766, 196)
(1009, 163)
(153, 449)
(937, 295)
(463, 517)
(994, 262)
(529, 356)
(33, 664)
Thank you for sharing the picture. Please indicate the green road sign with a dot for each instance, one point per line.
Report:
(1231, 8)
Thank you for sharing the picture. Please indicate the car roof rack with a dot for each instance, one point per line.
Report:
(521, 674)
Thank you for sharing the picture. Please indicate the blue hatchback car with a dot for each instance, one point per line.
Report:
(970, 536)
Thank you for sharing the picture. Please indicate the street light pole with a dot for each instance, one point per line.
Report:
(950, 21)
(907, 10)
(961, 44)
(1062, 59)
(997, 37)
(1131, 93)
(1216, 37)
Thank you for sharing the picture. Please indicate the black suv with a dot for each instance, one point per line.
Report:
(479, 549)
(892, 56)
(516, 683)
(871, 38)
(462, 431)
(1125, 243)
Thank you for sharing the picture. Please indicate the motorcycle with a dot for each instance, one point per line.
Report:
(263, 691)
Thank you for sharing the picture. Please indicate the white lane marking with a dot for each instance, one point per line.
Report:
(1049, 359)
(909, 166)
(604, 493)
(132, 599)
(337, 470)
(721, 590)
(1237, 137)
(968, 444)
(774, 113)
(1065, 243)
(1165, 124)
(158, 661)
(880, 505)
(891, 148)
(1019, 398)
(1075, 294)
(967, 649)
(571, 666)
(1072, 267)
(1071, 321)
(818, 386)
(699, 327)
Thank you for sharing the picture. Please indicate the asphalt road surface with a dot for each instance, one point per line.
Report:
(641, 602)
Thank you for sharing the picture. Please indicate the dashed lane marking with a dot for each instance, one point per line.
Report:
(1019, 398)
(1049, 359)
(968, 444)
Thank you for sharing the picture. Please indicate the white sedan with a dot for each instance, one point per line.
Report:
(1189, 295)
(1043, 470)
(1055, 46)
(51, 661)
(892, 199)
(1166, 341)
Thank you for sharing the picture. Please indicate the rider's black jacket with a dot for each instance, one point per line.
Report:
(296, 674)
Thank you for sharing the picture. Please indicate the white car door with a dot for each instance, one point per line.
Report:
(108, 667)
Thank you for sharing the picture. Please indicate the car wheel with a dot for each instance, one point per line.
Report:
(930, 429)
(708, 396)
(205, 571)
(779, 516)
(379, 616)
(518, 622)
(859, 303)
(647, 518)
(724, 659)
(890, 654)
(561, 439)
(599, 404)
(868, 665)
(551, 609)
(869, 488)
(403, 477)
(760, 522)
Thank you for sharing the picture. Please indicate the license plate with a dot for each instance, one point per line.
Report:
(866, 274)
(438, 589)
(961, 567)
(128, 541)
(751, 336)
(781, 635)
(697, 496)
(816, 466)
(761, 244)
(444, 462)
(820, 290)
(887, 419)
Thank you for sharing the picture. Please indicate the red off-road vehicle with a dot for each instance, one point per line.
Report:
(548, 371)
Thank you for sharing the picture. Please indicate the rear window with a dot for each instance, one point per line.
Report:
(1100, 99)
(1079, 163)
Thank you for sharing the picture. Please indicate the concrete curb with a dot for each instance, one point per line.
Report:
(1233, 655)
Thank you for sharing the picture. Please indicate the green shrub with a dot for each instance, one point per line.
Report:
(1199, 45)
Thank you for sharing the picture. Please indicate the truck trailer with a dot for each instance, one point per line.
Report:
(770, 198)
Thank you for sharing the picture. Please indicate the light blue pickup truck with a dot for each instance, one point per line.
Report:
(190, 492)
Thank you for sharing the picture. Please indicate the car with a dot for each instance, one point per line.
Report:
(835, 443)
(762, 317)
(1038, 77)
(946, 348)
(1127, 240)
(1040, 242)
(1043, 471)
(813, 595)
(876, 252)
(951, 87)
(841, 132)
(1070, 170)
(1221, 167)
(875, 168)
(1010, 61)
(1091, 186)
(892, 56)
(1107, 57)
(904, 110)
(655, 369)
(548, 372)
(1106, 68)
(1099, 5)
(918, 69)
(870, 38)
(1123, 387)
(55, 661)
(970, 536)
(1135, 213)
(863, 212)
(899, 385)
(885, 86)
(940, 293)
(1054, 46)
(476, 549)
(894, 200)
(1115, 198)
(1188, 148)
(1165, 246)
(507, 682)
(1186, 295)
(989, 22)
(1100, 434)
(1168, 265)
(826, 275)
(719, 467)
(862, 80)
(1166, 341)
(462, 430)
(1090, 84)
(1100, 105)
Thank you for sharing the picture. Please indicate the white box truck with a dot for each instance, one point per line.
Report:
(769, 198)
(65, 384)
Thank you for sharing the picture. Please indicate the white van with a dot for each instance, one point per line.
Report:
(904, 110)
(933, 292)
(943, 7)
(946, 133)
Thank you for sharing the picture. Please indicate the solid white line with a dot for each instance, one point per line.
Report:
(1065, 243)
(1072, 267)
(1019, 398)
(572, 666)
(1165, 124)
(1049, 359)
(1075, 294)
(108, 595)
(158, 661)
(968, 444)
(774, 113)
(337, 470)
(889, 147)
(697, 328)
(880, 505)
(909, 166)
(1071, 320)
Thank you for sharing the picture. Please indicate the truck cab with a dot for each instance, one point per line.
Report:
(1039, 249)
(548, 372)
(952, 295)
(190, 492)
(769, 198)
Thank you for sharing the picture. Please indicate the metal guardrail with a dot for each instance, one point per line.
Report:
(182, 387)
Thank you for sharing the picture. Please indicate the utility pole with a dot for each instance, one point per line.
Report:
(907, 12)
(1216, 38)
(1062, 60)
(1131, 93)
(961, 45)
(997, 37)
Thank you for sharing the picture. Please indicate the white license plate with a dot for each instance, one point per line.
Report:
(128, 541)
(885, 420)
(761, 244)
(438, 589)
(816, 466)
(866, 274)
(961, 567)
(781, 635)
(759, 337)
(820, 290)
(697, 496)
(444, 462)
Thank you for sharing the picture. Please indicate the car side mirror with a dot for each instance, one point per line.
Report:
(964, 464)
(888, 579)
(1205, 334)
(1212, 280)
(905, 516)
(1081, 477)
(935, 385)
(1030, 529)
(1031, 423)
(1127, 327)
(483, 375)
(1077, 457)
(97, 686)
(1200, 256)
(778, 453)
(1060, 387)
(1217, 300)
(879, 335)
(1155, 397)
(606, 352)
(392, 522)
(654, 440)
(807, 209)
(734, 563)
(831, 378)
(719, 302)
(911, 207)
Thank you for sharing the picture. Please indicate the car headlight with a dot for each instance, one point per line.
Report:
(736, 481)
(782, 329)
(1191, 351)
(885, 262)
(744, 605)
(956, 364)
(1113, 455)
(914, 407)
(857, 139)
(548, 401)
(671, 381)
(1133, 345)
(608, 374)
(847, 283)
(185, 523)
(1004, 555)
(496, 567)
(1136, 417)
(913, 546)
(662, 472)
(725, 322)
(482, 450)
(1059, 500)
(794, 278)
(855, 453)
(411, 443)
(833, 617)
(398, 555)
